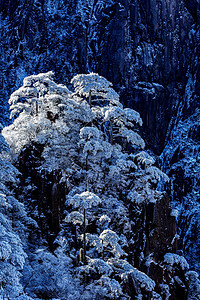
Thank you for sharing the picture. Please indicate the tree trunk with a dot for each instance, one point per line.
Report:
(84, 236)
(90, 98)
(111, 132)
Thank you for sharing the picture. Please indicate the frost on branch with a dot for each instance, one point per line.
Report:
(87, 133)
(110, 238)
(132, 116)
(32, 92)
(84, 200)
(124, 116)
(120, 119)
(132, 137)
(156, 174)
(75, 218)
(49, 274)
(104, 288)
(97, 266)
(103, 222)
(194, 285)
(95, 146)
(172, 259)
(123, 268)
(98, 86)
(5, 250)
(13, 221)
(144, 159)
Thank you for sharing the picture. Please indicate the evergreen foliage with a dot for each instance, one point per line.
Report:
(82, 150)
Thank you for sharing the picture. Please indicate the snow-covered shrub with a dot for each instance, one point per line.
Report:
(110, 239)
(75, 218)
(84, 200)
(48, 275)
(194, 285)
(96, 266)
(172, 259)
(13, 231)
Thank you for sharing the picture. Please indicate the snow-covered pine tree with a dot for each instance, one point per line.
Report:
(14, 224)
(84, 146)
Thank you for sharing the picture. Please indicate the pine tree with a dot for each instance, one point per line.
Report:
(84, 165)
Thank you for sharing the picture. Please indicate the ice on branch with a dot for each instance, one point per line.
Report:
(156, 174)
(122, 166)
(124, 269)
(38, 92)
(104, 220)
(113, 114)
(87, 133)
(92, 147)
(75, 218)
(172, 259)
(95, 241)
(84, 200)
(144, 159)
(110, 238)
(127, 116)
(97, 266)
(93, 144)
(133, 116)
(120, 120)
(95, 86)
(5, 250)
(133, 137)
(100, 266)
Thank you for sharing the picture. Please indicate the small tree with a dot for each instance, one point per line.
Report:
(96, 152)
(84, 201)
(76, 218)
(120, 120)
(96, 89)
(108, 108)
(13, 229)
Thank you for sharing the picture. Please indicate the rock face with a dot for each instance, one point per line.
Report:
(140, 46)
(149, 49)
(181, 157)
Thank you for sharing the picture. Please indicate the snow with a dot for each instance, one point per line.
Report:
(109, 237)
(133, 137)
(174, 213)
(90, 132)
(143, 281)
(95, 241)
(175, 259)
(75, 217)
(104, 219)
(144, 158)
(133, 115)
(85, 200)
(194, 285)
(99, 266)
(97, 85)
(5, 250)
